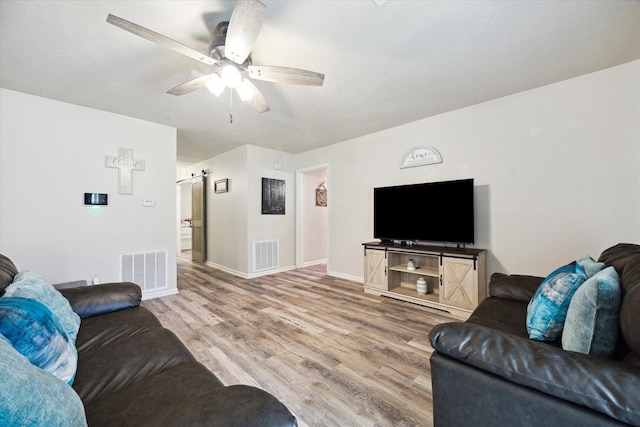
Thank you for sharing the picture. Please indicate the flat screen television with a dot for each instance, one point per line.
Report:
(429, 212)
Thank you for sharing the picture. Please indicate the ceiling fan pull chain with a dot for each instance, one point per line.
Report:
(230, 105)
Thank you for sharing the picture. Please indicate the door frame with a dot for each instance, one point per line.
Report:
(300, 175)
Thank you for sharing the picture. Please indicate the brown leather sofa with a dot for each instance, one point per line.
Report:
(486, 372)
(133, 372)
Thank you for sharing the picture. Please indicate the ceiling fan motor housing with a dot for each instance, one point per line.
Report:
(216, 48)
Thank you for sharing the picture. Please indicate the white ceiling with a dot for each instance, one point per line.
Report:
(384, 65)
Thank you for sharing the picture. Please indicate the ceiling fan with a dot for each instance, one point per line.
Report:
(229, 54)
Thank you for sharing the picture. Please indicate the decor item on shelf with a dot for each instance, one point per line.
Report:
(126, 164)
(421, 286)
(321, 195)
(273, 192)
(411, 265)
(420, 156)
(221, 185)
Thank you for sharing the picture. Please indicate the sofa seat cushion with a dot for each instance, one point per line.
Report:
(194, 397)
(154, 397)
(120, 364)
(102, 330)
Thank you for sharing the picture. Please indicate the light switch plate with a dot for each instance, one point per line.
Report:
(148, 203)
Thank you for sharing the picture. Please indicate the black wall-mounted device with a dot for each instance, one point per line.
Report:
(96, 199)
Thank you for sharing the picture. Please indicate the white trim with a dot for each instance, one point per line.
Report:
(316, 262)
(251, 275)
(359, 280)
(300, 212)
(158, 294)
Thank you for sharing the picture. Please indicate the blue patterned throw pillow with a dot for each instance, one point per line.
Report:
(30, 396)
(547, 309)
(592, 320)
(30, 285)
(38, 335)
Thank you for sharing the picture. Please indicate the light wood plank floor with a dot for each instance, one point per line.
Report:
(332, 354)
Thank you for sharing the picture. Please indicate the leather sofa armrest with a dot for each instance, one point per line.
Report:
(514, 287)
(89, 301)
(72, 284)
(606, 386)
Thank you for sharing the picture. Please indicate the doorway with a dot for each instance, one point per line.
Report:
(184, 216)
(198, 218)
(191, 213)
(312, 219)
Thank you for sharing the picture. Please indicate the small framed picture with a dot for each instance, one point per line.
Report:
(221, 185)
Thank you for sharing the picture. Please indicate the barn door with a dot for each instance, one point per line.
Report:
(198, 219)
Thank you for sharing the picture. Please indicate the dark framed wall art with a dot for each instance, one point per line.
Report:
(273, 196)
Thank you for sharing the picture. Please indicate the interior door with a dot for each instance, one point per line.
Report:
(198, 219)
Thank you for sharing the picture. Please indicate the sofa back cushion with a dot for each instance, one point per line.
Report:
(625, 258)
(7, 272)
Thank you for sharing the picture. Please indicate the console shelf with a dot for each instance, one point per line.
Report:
(455, 278)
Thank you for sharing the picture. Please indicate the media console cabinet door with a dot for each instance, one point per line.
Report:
(375, 269)
(459, 283)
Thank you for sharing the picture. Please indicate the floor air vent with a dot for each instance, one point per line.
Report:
(265, 255)
(148, 270)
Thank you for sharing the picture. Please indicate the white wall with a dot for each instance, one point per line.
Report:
(50, 154)
(234, 219)
(227, 212)
(262, 163)
(556, 171)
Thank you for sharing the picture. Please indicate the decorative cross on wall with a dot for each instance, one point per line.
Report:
(126, 164)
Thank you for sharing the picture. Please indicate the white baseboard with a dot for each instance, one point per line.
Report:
(249, 275)
(310, 263)
(358, 279)
(158, 294)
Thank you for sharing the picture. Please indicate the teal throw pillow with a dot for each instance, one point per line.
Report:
(38, 335)
(30, 396)
(592, 322)
(589, 265)
(30, 285)
(547, 309)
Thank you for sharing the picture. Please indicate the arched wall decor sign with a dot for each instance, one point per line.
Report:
(420, 156)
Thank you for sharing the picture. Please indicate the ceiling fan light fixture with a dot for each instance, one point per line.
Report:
(230, 75)
(215, 85)
(245, 90)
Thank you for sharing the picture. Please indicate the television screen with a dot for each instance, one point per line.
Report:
(429, 212)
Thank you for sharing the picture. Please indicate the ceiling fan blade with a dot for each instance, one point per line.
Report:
(244, 27)
(190, 86)
(257, 100)
(286, 75)
(159, 39)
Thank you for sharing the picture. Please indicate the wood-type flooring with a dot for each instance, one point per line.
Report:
(332, 354)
